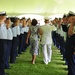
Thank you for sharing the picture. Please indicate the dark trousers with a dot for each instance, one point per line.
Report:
(21, 40)
(71, 64)
(7, 53)
(61, 42)
(24, 43)
(54, 37)
(17, 43)
(57, 40)
(70, 57)
(13, 50)
(3, 47)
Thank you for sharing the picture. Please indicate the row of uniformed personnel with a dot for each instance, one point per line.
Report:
(12, 39)
(66, 43)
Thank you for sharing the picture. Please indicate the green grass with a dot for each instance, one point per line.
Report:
(23, 65)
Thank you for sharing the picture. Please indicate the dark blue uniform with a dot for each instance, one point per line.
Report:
(3, 47)
(70, 57)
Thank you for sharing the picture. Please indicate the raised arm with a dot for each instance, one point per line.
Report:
(70, 30)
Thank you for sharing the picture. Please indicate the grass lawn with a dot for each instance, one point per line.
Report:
(23, 65)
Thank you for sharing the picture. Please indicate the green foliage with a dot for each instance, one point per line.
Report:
(23, 65)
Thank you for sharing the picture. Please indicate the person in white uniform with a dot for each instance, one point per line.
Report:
(46, 40)
(13, 52)
(9, 42)
(3, 42)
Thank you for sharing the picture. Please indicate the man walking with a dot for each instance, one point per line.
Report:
(46, 40)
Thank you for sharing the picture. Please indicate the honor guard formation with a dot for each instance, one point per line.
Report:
(17, 34)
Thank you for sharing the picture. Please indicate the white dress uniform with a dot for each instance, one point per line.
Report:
(9, 34)
(63, 34)
(3, 31)
(14, 31)
(22, 30)
(46, 41)
(18, 30)
(27, 29)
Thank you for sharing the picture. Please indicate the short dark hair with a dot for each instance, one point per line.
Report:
(28, 19)
(15, 19)
(23, 18)
(64, 16)
(34, 22)
(8, 18)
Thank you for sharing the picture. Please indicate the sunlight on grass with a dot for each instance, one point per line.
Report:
(23, 65)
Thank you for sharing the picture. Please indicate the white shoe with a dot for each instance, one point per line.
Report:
(49, 60)
(46, 63)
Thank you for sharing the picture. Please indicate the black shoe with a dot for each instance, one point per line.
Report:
(6, 74)
(7, 68)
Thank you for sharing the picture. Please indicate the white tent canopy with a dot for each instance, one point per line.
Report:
(38, 7)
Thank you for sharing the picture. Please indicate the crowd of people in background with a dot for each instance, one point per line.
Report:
(18, 34)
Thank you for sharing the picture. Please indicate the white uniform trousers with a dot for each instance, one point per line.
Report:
(47, 53)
